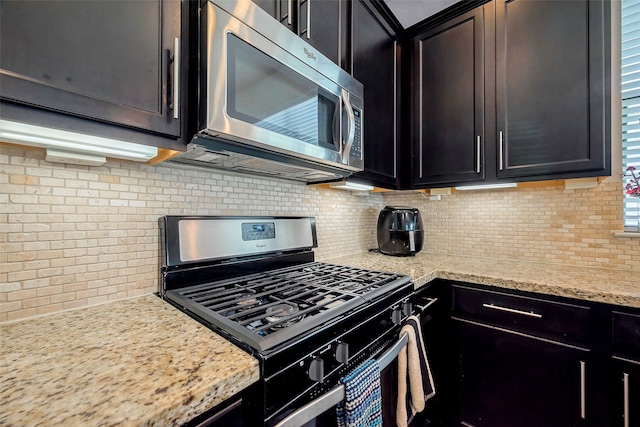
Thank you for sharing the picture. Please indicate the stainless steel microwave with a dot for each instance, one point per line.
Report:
(270, 103)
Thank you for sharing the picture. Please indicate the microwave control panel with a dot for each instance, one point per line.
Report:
(356, 147)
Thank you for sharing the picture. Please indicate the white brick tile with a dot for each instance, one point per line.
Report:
(97, 226)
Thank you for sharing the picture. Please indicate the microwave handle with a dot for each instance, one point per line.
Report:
(337, 394)
(346, 148)
(337, 127)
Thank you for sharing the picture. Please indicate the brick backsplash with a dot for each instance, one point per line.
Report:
(540, 224)
(74, 236)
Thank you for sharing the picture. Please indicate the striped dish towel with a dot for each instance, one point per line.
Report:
(362, 406)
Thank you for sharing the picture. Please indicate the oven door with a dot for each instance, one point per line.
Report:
(258, 92)
(321, 411)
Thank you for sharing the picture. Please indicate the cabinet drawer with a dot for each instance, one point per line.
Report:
(626, 335)
(546, 319)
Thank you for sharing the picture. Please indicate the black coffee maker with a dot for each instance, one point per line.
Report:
(400, 231)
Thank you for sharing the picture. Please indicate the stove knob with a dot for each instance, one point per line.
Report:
(316, 369)
(396, 316)
(342, 352)
(407, 308)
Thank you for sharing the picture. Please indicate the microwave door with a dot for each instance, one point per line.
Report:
(278, 105)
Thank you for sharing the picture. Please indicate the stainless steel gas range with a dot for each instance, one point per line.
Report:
(254, 280)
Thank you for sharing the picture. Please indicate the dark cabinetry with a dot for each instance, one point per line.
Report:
(510, 379)
(322, 23)
(91, 63)
(374, 51)
(625, 393)
(432, 303)
(551, 87)
(523, 361)
(625, 373)
(272, 7)
(496, 97)
(448, 95)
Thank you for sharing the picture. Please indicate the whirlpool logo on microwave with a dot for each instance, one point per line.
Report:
(309, 54)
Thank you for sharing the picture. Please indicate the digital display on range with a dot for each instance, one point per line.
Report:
(356, 113)
(258, 231)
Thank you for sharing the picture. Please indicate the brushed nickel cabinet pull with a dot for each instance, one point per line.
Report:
(512, 310)
(478, 156)
(176, 77)
(500, 149)
(308, 19)
(289, 7)
(626, 399)
(583, 400)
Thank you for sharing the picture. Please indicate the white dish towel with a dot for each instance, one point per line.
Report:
(415, 382)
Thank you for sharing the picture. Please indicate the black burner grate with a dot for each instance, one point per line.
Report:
(268, 308)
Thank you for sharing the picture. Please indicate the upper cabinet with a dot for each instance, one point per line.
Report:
(552, 86)
(374, 62)
(322, 23)
(448, 93)
(110, 68)
(515, 90)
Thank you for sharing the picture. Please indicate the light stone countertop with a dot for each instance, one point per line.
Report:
(619, 287)
(127, 363)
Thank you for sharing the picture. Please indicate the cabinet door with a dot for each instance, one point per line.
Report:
(625, 394)
(320, 25)
(373, 48)
(551, 88)
(448, 102)
(270, 6)
(509, 379)
(107, 61)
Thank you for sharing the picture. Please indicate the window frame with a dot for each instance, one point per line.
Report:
(630, 104)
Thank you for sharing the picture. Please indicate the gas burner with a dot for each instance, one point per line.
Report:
(278, 312)
(249, 302)
(350, 285)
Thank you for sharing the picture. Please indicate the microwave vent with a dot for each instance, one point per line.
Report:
(224, 159)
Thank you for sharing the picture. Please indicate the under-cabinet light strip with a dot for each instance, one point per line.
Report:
(487, 187)
(40, 136)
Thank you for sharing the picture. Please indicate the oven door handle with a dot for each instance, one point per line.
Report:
(330, 399)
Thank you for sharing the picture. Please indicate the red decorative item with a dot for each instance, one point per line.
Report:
(633, 187)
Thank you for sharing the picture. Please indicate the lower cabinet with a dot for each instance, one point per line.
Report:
(523, 359)
(433, 303)
(509, 379)
(625, 394)
(625, 369)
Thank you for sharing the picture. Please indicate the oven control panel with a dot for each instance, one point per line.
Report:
(258, 231)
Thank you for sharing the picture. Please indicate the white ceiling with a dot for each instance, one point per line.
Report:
(410, 12)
